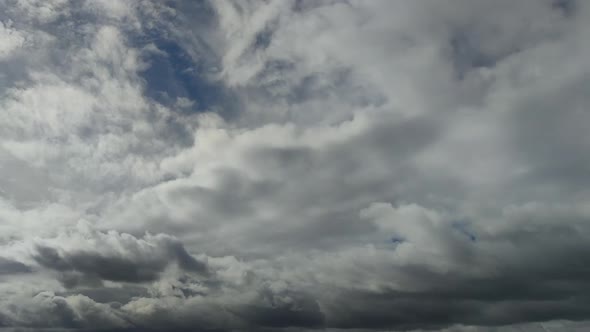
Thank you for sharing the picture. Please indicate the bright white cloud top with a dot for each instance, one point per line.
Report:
(295, 165)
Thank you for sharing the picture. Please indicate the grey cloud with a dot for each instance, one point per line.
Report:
(111, 295)
(8, 266)
(337, 165)
(109, 268)
(132, 260)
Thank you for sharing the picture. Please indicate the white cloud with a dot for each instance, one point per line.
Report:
(338, 164)
(11, 40)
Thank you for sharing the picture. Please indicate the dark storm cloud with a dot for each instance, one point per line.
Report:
(108, 268)
(111, 295)
(8, 266)
(302, 310)
(514, 276)
(137, 262)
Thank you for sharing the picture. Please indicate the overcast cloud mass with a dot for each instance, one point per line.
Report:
(301, 165)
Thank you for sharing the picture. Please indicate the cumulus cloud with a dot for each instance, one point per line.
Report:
(294, 165)
(113, 256)
(11, 40)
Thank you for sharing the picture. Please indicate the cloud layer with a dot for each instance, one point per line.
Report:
(294, 165)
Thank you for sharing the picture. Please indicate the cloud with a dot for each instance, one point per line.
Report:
(294, 165)
(8, 266)
(11, 40)
(113, 256)
(48, 310)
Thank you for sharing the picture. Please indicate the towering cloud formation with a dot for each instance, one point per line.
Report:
(294, 165)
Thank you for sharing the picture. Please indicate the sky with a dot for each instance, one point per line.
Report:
(294, 165)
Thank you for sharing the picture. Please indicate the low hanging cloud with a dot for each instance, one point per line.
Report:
(113, 256)
(294, 165)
